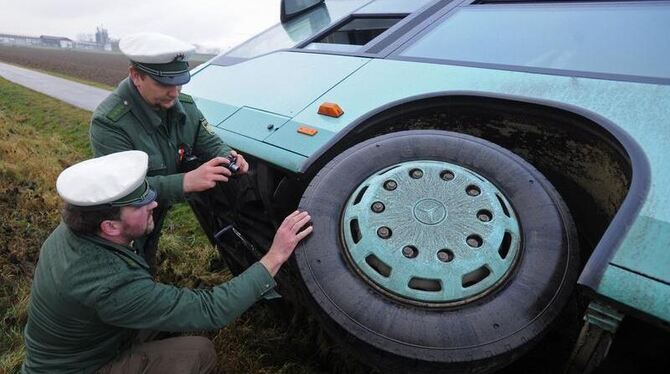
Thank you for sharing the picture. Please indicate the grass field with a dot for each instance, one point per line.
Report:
(39, 136)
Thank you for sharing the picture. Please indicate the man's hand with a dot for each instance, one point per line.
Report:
(205, 177)
(291, 231)
(241, 162)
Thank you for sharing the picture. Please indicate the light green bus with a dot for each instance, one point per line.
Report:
(472, 168)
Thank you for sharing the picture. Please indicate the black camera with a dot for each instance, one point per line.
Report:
(233, 166)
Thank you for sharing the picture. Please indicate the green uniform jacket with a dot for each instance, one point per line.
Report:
(124, 121)
(89, 295)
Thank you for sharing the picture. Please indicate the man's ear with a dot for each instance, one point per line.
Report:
(110, 228)
(135, 76)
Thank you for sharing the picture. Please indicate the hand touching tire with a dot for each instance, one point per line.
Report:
(288, 235)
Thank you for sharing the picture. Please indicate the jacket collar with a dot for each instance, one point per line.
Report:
(148, 116)
(123, 250)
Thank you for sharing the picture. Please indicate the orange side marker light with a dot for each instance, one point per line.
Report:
(330, 110)
(307, 130)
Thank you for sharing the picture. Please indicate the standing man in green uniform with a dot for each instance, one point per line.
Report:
(147, 112)
(92, 293)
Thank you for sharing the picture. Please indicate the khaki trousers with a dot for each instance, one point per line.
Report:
(183, 354)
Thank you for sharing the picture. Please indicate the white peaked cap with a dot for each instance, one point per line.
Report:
(104, 179)
(155, 48)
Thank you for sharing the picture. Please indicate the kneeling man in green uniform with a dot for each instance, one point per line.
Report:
(93, 295)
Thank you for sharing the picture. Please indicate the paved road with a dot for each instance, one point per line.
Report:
(77, 94)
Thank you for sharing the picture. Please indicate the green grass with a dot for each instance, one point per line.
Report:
(39, 137)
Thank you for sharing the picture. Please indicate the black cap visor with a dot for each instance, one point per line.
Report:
(175, 73)
(173, 80)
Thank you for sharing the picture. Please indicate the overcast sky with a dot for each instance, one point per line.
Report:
(212, 23)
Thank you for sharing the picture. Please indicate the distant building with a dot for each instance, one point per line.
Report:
(34, 41)
(86, 45)
(101, 36)
(56, 41)
(103, 43)
(22, 40)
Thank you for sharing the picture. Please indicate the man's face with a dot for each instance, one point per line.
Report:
(156, 94)
(137, 221)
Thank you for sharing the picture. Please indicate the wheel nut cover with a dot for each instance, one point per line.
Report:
(462, 231)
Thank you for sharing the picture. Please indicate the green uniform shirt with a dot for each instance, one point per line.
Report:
(124, 121)
(89, 295)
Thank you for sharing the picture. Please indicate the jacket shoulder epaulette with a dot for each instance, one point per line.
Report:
(118, 111)
(184, 98)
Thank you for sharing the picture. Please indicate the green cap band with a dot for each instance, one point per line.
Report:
(163, 70)
(142, 195)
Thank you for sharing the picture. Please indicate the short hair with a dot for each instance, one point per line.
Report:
(142, 74)
(86, 221)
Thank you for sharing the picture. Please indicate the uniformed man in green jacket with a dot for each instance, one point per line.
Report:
(92, 293)
(147, 112)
